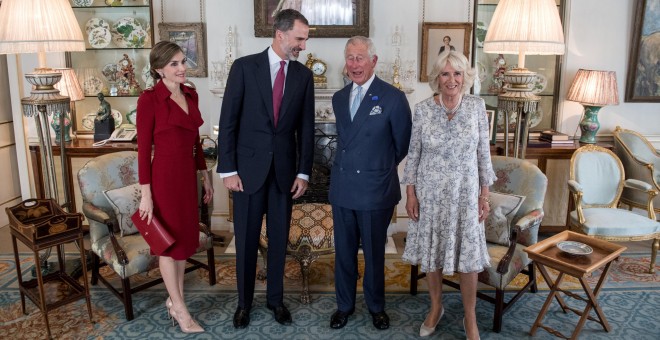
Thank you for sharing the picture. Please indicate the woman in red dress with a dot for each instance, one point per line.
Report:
(168, 118)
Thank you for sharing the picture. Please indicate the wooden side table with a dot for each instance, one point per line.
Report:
(41, 224)
(546, 253)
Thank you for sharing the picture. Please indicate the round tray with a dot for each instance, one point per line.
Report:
(574, 248)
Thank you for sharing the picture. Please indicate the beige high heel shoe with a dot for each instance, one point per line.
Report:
(168, 305)
(187, 326)
(426, 331)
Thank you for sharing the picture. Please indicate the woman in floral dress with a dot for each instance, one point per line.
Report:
(447, 174)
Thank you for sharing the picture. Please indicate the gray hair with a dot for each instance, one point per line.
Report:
(458, 61)
(285, 19)
(358, 39)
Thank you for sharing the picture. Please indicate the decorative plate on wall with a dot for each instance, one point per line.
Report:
(99, 37)
(92, 85)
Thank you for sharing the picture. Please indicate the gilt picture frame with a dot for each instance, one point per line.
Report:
(433, 36)
(264, 11)
(192, 39)
(643, 66)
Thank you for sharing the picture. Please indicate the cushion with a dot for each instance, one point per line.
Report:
(503, 208)
(125, 202)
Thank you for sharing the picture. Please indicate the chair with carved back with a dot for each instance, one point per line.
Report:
(111, 194)
(516, 212)
(596, 181)
(641, 161)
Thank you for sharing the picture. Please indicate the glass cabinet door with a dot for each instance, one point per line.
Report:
(491, 68)
(119, 37)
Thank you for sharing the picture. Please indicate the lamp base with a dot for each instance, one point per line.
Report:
(589, 124)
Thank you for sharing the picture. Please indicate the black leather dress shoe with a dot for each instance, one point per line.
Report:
(339, 319)
(381, 320)
(281, 314)
(241, 318)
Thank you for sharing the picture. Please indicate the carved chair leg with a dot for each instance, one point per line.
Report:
(654, 253)
(305, 298)
(210, 257)
(95, 269)
(127, 298)
(413, 279)
(499, 310)
(262, 274)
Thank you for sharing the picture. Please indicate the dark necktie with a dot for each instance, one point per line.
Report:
(278, 90)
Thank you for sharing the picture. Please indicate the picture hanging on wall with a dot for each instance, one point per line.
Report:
(642, 84)
(191, 38)
(440, 36)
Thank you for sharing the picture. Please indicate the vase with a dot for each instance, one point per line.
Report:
(55, 124)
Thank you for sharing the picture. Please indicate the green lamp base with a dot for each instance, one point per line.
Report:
(589, 124)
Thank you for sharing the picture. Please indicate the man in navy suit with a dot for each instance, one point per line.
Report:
(373, 128)
(265, 155)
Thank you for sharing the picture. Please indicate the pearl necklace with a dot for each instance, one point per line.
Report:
(452, 111)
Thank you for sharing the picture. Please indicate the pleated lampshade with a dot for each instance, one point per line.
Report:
(594, 88)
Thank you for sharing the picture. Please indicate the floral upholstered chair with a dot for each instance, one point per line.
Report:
(111, 194)
(310, 236)
(641, 161)
(596, 181)
(513, 224)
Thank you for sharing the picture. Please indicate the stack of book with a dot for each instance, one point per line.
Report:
(555, 138)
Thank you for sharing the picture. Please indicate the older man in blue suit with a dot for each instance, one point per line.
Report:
(373, 125)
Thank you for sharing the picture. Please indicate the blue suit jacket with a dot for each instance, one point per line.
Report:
(364, 173)
(248, 140)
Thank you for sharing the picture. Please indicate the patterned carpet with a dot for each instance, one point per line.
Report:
(629, 301)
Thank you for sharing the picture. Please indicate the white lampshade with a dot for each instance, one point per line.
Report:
(39, 26)
(594, 88)
(69, 85)
(525, 27)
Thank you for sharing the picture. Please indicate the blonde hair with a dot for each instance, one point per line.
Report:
(459, 62)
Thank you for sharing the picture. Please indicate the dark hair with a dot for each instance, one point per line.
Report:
(285, 19)
(160, 56)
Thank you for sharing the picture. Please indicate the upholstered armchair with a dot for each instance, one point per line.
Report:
(311, 235)
(110, 192)
(596, 181)
(516, 213)
(640, 161)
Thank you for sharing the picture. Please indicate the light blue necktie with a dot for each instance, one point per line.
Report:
(356, 102)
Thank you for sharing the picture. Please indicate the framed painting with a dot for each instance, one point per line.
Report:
(642, 83)
(440, 36)
(327, 18)
(191, 38)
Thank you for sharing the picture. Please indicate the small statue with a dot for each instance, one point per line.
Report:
(104, 124)
(104, 110)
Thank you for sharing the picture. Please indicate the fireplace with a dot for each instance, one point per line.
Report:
(325, 147)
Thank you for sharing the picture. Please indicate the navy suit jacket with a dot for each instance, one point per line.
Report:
(248, 141)
(364, 173)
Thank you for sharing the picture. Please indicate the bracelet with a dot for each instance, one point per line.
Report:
(485, 198)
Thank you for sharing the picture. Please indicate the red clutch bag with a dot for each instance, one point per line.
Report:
(158, 238)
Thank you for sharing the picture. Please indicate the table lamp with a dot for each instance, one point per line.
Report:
(593, 89)
(522, 27)
(69, 87)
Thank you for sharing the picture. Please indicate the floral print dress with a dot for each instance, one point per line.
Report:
(448, 162)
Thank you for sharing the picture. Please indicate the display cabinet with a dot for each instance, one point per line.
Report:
(119, 37)
(491, 68)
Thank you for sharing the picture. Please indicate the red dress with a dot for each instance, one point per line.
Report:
(177, 155)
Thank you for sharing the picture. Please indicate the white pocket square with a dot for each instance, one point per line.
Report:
(376, 110)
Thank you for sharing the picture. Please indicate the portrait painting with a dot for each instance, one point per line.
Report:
(327, 18)
(643, 81)
(438, 37)
(190, 36)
